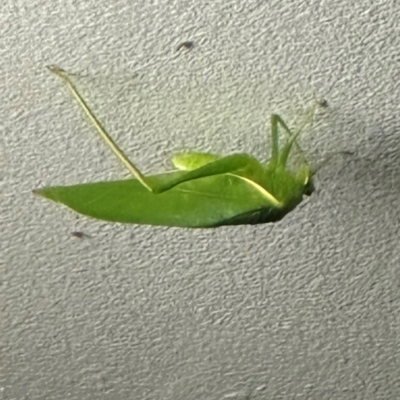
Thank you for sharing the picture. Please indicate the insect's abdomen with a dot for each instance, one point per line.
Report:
(261, 216)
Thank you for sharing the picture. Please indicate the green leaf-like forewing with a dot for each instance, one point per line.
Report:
(207, 202)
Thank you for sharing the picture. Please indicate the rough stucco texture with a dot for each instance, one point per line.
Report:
(307, 308)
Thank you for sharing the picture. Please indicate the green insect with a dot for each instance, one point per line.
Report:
(205, 191)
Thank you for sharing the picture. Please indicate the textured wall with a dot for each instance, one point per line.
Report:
(307, 308)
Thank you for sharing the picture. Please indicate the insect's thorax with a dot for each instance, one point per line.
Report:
(284, 185)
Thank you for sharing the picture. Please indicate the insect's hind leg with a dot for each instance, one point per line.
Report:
(103, 133)
(235, 163)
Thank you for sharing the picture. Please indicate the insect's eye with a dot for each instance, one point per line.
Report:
(308, 188)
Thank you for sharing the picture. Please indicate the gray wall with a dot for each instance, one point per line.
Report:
(307, 308)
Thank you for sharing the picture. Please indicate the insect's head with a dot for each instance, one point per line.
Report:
(308, 187)
(305, 175)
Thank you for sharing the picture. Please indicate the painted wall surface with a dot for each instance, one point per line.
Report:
(307, 308)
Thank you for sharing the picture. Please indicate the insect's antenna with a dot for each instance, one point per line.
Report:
(106, 137)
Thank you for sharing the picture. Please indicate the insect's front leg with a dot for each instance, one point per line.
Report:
(282, 156)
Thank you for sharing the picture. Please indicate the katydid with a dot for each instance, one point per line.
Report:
(204, 191)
